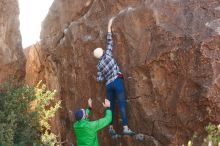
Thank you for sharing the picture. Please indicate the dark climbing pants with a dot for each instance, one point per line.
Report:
(116, 91)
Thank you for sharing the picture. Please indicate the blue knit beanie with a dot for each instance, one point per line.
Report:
(79, 114)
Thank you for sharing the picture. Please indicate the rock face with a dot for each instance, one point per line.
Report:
(12, 60)
(34, 66)
(168, 51)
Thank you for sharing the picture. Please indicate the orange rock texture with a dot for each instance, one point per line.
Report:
(169, 52)
(12, 60)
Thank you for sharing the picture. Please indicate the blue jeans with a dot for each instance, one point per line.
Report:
(116, 90)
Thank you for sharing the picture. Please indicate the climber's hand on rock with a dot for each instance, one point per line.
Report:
(106, 104)
(90, 102)
(110, 24)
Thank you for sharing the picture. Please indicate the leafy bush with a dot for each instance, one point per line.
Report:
(213, 134)
(21, 121)
(190, 143)
(18, 125)
(46, 108)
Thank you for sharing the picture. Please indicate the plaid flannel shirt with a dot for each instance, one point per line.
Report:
(107, 67)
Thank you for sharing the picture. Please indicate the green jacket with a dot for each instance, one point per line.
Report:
(86, 130)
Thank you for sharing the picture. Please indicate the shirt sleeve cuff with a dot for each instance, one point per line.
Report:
(109, 35)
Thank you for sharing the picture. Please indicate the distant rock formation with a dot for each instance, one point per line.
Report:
(12, 60)
(168, 51)
(33, 64)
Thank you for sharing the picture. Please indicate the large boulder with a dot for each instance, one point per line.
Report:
(167, 50)
(12, 60)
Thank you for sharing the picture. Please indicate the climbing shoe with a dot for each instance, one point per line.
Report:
(128, 131)
(112, 132)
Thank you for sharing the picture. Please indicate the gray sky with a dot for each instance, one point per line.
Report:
(32, 13)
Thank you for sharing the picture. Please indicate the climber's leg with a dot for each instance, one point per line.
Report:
(110, 93)
(120, 91)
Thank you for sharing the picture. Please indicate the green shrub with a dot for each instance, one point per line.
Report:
(46, 107)
(18, 125)
(21, 121)
(213, 134)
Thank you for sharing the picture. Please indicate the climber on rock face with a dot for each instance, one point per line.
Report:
(86, 130)
(108, 69)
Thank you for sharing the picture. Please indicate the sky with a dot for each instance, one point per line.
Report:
(32, 13)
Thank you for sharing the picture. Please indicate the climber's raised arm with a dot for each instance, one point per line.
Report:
(110, 24)
(109, 38)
